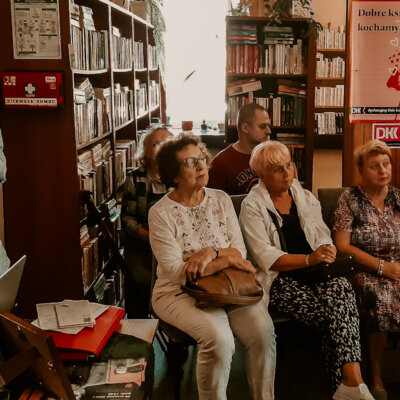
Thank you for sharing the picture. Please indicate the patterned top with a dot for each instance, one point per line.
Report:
(375, 233)
(176, 230)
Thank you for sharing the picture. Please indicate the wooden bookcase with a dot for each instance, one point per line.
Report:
(330, 49)
(270, 84)
(41, 195)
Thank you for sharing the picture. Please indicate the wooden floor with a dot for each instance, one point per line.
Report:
(300, 372)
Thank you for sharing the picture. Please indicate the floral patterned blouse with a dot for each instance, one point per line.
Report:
(176, 231)
(371, 231)
(377, 234)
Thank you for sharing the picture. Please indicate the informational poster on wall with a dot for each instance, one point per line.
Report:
(375, 61)
(36, 29)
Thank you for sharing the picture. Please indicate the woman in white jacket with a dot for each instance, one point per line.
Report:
(328, 306)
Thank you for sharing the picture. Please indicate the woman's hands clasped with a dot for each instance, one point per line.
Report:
(325, 253)
(203, 263)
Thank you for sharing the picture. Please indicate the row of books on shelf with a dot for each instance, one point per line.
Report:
(330, 68)
(109, 289)
(92, 111)
(242, 34)
(141, 98)
(96, 172)
(330, 38)
(283, 110)
(122, 55)
(291, 139)
(123, 104)
(82, 16)
(88, 49)
(266, 59)
(138, 55)
(152, 56)
(329, 96)
(154, 94)
(329, 123)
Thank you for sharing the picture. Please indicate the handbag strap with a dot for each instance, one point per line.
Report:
(279, 229)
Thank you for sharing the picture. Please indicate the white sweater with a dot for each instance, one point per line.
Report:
(176, 230)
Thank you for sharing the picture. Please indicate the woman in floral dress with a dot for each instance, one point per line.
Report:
(367, 224)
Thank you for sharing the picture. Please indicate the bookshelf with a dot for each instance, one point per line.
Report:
(329, 106)
(44, 217)
(282, 59)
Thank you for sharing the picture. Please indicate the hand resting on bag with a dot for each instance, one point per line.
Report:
(194, 269)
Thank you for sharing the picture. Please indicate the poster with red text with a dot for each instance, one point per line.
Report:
(375, 61)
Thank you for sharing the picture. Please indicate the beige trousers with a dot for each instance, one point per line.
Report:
(214, 330)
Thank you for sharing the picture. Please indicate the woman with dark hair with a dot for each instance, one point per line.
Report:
(142, 189)
(328, 307)
(194, 232)
(367, 224)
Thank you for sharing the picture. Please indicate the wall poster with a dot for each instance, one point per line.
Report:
(375, 61)
(36, 29)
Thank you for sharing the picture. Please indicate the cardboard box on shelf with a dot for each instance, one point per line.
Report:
(139, 8)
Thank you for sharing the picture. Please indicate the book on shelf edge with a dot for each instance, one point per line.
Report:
(89, 341)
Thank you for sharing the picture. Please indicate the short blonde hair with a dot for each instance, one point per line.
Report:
(266, 155)
(141, 152)
(372, 147)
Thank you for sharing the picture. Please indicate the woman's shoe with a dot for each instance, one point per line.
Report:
(360, 392)
(379, 394)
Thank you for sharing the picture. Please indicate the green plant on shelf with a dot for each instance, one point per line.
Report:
(241, 9)
(154, 9)
(293, 8)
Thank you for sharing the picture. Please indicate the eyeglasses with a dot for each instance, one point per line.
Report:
(280, 169)
(376, 167)
(193, 161)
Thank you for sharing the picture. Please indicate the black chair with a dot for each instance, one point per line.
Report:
(328, 198)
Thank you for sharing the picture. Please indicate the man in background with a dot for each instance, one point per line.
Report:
(230, 170)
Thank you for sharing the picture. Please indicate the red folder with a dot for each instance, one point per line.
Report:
(89, 341)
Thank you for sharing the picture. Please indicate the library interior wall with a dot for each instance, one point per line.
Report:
(328, 164)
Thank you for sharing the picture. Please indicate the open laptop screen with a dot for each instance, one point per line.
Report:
(9, 284)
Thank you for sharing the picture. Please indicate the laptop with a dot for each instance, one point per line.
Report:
(9, 284)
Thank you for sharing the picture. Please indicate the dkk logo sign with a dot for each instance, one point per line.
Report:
(388, 133)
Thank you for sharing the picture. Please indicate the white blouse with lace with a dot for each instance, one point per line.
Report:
(176, 230)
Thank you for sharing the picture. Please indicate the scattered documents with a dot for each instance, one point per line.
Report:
(144, 329)
(68, 316)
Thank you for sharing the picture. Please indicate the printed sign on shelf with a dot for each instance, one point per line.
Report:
(32, 89)
(375, 60)
(388, 133)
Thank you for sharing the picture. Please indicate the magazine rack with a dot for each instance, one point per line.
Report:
(31, 352)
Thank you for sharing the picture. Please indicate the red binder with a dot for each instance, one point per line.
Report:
(89, 341)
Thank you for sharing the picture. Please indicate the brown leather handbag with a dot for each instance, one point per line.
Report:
(230, 286)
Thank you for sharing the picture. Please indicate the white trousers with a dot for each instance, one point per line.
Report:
(213, 329)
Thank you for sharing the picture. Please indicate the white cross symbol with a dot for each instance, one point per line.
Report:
(30, 89)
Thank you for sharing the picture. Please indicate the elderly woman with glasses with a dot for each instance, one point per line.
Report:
(194, 232)
(330, 306)
(142, 189)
